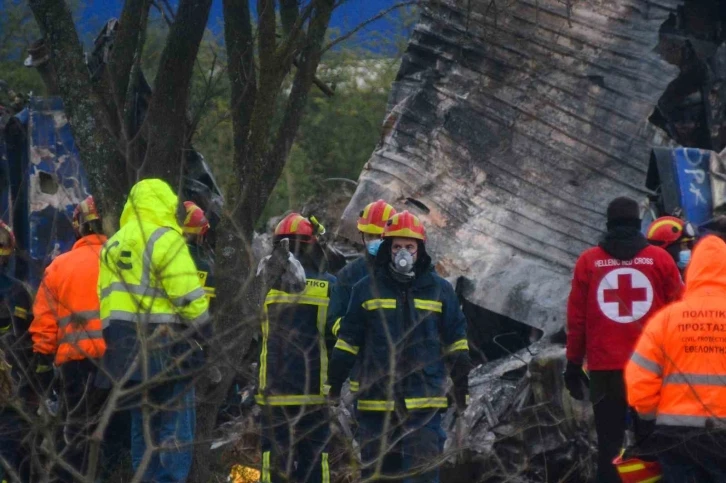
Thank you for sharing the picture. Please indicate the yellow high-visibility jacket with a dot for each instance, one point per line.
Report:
(147, 274)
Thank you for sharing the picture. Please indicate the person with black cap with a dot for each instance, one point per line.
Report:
(617, 286)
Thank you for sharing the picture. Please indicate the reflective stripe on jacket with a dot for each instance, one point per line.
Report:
(417, 327)
(66, 320)
(347, 277)
(293, 356)
(147, 274)
(677, 373)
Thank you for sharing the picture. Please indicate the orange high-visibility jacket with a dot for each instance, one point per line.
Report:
(66, 321)
(677, 374)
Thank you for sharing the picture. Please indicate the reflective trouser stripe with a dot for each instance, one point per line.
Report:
(459, 345)
(647, 364)
(354, 386)
(432, 305)
(266, 467)
(80, 318)
(426, 402)
(344, 346)
(325, 468)
(289, 400)
(702, 379)
(375, 304)
(375, 405)
(75, 337)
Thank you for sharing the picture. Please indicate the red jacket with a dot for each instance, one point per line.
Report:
(612, 299)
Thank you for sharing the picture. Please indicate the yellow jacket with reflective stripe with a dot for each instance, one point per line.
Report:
(295, 335)
(147, 274)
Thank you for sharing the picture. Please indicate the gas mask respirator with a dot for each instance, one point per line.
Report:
(403, 262)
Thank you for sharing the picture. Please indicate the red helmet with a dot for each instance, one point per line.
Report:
(296, 225)
(195, 222)
(7, 240)
(85, 211)
(667, 230)
(405, 225)
(374, 216)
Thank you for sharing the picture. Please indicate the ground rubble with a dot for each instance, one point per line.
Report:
(520, 425)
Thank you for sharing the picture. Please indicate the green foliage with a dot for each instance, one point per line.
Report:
(338, 134)
(17, 31)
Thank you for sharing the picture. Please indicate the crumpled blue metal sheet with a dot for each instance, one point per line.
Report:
(682, 176)
(54, 183)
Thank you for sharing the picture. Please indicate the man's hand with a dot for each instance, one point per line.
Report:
(576, 380)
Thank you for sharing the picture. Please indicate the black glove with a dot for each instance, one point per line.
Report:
(576, 380)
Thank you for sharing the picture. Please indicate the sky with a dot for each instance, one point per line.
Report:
(347, 16)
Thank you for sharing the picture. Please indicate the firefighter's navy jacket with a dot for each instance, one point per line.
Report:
(347, 277)
(422, 322)
(293, 354)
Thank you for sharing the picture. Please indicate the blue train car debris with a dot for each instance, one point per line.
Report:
(45, 182)
(682, 181)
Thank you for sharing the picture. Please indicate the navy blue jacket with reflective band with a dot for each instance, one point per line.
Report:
(294, 350)
(347, 277)
(421, 323)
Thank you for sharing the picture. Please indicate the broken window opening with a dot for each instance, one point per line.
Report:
(48, 184)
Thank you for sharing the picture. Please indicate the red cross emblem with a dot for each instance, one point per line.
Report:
(625, 295)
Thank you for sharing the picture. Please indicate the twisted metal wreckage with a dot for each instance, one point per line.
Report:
(508, 131)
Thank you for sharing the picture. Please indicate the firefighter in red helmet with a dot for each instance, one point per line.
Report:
(405, 326)
(371, 223)
(294, 363)
(675, 236)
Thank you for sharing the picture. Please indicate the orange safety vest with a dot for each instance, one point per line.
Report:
(66, 310)
(677, 374)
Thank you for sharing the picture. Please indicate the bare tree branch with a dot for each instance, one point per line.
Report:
(374, 18)
(304, 77)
